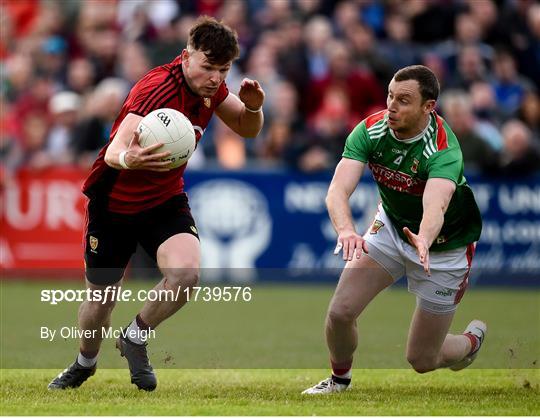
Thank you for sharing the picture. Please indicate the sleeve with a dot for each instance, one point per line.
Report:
(358, 145)
(446, 164)
(220, 95)
(151, 92)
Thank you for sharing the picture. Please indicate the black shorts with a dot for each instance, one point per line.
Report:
(111, 238)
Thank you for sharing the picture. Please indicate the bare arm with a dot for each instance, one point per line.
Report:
(435, 201)
(346, 177)
(235, 110)
(136, 157)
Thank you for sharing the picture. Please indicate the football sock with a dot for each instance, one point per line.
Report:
(134, 333)
(475, 342)
(87, 358)
(342, 370)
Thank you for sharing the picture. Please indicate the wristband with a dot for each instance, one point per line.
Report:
(122, 160)
(253, 111)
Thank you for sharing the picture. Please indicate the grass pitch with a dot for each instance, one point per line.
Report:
(277, 392)
(255, 358)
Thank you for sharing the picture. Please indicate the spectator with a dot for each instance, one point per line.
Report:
(92, 133)
(509, 86)
(80, 76)
(317, 35)
(486, 112)
(457, 110)
(519, 156)
(529, 113)
(292, 58)
(470, 68)
(398, 49)
(321, 147)
(283, 125)
(363, 91)
(365, 52)
(134, 62)
(468, 32)
(64, 108)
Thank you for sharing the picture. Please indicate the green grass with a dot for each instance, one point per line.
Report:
(255, 358)
(277, 392)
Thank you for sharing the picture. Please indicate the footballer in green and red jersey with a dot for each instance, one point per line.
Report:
(401, 169)
(426, 229)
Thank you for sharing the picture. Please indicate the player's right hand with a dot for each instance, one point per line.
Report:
(139, 158)
(350, 242)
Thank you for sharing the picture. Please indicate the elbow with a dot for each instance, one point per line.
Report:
(251, 133)
(329, 196)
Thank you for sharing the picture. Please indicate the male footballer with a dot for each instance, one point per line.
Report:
(426, 228)
(134, 197)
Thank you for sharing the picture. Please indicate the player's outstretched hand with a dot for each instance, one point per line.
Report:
(349, 241)
(251, 94)
(422, 248)
(139, 158)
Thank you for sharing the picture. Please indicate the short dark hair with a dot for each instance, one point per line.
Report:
(429, 85)
(215, 39)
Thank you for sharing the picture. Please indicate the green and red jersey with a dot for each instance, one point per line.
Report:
(401, 169)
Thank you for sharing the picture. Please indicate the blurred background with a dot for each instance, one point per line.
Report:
(66, 67)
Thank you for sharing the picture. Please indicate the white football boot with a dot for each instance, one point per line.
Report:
(330, 385)
(479, 329)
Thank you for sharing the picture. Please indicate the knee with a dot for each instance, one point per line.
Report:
(422, 363)
(183, 276)
(341, 314)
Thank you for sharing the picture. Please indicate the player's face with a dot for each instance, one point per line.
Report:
(407, 109)
(203, 77)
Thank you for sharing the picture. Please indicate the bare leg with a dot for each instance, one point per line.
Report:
(179, 260)
(429, 346)
(361, 280)
(93, 316)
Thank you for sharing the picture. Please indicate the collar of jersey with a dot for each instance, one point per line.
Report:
(415, 138)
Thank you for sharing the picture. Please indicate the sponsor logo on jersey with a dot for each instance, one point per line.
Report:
(93, 241)
(414, 166)
(207, 102)
(375, 227)
(396, 180)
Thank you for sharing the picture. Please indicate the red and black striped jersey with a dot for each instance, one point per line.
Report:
(132, 191)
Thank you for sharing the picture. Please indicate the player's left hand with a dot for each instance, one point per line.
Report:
(422, 248)
(251, 94)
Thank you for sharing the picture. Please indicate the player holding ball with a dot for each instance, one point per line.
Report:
(134, 196)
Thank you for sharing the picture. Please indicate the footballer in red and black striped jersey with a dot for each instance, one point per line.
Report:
(136, 198)
(131, 191)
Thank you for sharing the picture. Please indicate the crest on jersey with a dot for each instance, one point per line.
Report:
(93, 241)
(207, 102)
(193, 229)
(375, 227)
(414, 166)
(441, 239)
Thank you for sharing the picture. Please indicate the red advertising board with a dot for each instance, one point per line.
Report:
(41, 221)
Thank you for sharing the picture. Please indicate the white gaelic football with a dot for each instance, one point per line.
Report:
(173, 130)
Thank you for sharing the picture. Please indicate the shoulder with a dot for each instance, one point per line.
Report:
(440, 138)
(375, 119)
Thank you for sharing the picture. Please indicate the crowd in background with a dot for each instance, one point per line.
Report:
(66, 67)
